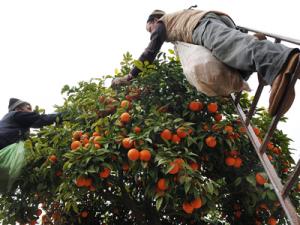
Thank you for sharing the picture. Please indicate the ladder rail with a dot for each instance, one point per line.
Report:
(281, 190)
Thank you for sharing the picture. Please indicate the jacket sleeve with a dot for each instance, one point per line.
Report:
(33, 119)
(158, 37)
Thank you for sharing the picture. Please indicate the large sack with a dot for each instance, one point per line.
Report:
(12, 160)
(207, 73)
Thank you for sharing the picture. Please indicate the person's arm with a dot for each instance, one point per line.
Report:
(158, 37)
(34, 120)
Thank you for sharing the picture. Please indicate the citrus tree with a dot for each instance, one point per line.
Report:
(152, 152)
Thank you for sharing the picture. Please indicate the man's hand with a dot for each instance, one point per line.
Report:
(119, 81)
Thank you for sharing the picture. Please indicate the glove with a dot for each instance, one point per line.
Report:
(120, 81)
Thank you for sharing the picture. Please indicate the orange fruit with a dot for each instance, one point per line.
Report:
(76, 135)
(228, 129)
(230, 161)
(84, 214)
(181, 132)
(212, 107)
(75, 145)
(175, 139)
(125, 117)
(104, 173)
(195, 106)
(270, 145)
(97, 146)
(53, 158)
(272, 221)
(187, 208)
(238, 163)
(211, 141)
(218, 117)
(276, 150)
(145, 155)
(175, 168)
(260, 179)
(125, 104)
(256, 131)
(58, 173)
(194, 165)
(80, 181)
(95, 134)
(97, 139)
(161, 184)
(88, 182)
(243, 129)
(133, 154)
(196, 203)
(137, 130)
(166, 134)
(179, 162)
(127, 143)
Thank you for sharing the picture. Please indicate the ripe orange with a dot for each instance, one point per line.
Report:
(58, 173)
(179, 162)
(84, 214)
(212, 107)
(125, 104)
(175, 168)
(175, 139)
(194, 165)
(137, 130)
(80, 181)
(127, 143)
(75, 145)
(125, 117)
(270, 145)
(238, 163)
(243, 129)
(230, 161)
(166, 134)
(195, 106)
(95, 134)
(97, 146)
(211, 141)
(104, 173)
(162, 184)
(272, 221)
(133, 154)
(187, 208)
(53, 158)
(76, 135)
(145, 155)
(97, 139)
(260, 179)
(218, 117)
(228, 129)
(181, 132)
(88, 182)
(196, 203)
(256, 131)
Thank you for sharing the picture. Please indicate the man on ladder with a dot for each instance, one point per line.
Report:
(217, 32)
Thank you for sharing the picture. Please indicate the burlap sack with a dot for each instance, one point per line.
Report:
(207, 73)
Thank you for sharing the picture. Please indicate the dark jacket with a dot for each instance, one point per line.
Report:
(15, 125)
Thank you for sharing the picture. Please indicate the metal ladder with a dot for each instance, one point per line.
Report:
(282, 190)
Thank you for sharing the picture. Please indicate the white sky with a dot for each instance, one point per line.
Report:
(47, 44)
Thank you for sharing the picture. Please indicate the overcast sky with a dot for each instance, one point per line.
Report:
(47, 44)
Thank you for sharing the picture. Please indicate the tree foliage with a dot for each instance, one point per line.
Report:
(193, 162)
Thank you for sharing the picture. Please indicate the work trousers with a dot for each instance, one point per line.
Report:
(239, 50)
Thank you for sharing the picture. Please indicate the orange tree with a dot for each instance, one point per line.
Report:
(154, 152)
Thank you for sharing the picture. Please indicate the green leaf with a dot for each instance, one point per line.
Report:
(159, 202)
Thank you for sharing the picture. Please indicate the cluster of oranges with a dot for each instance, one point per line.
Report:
(181, 132)
(197, 106)
(83, 140)
(233, 159)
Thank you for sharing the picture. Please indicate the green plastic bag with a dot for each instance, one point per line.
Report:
(12, 160)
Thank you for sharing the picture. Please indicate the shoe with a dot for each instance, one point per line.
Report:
(279, 85)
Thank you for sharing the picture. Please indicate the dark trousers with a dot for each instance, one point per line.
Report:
(240, 50)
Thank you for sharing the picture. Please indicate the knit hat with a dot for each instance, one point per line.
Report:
(156, 14)
(14, 103)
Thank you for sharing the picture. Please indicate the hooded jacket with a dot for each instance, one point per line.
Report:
(15, 125)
